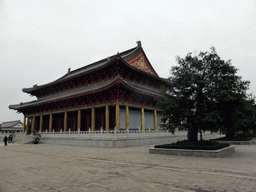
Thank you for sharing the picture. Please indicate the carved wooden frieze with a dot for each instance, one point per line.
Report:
(141, 63)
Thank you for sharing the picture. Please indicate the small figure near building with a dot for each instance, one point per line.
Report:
(5, 141)
(11, 137)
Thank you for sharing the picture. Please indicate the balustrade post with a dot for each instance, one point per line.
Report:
(89, 133)
(101, 132)
(69, 133)
(149, 132)
(52, 133)
(60, 132)
(115, 133)
(139, 133)
(127, 132)
(46, 131)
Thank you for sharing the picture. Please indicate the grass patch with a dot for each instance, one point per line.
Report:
(200, 145)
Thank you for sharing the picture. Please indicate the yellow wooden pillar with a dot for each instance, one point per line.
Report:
(24, 124)
(155, 120)
(107, 118)
(142, 120)
(41, 123)
(117, 116)
(93, 119)
(50, 123)
(27, 125)
(79, 120)
(33, 124)
(126, 116)
(65, 120)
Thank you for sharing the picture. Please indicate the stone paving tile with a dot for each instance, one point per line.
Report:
(75, 168)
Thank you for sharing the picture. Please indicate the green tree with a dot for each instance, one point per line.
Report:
(245, 120)
(203, 92)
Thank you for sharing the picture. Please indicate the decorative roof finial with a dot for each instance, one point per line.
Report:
(69, 70)
(139, 43)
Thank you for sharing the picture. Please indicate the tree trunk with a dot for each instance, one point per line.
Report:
(201, 135)
(192, 134)
(230, 134)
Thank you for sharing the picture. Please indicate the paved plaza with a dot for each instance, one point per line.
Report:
(46, 167)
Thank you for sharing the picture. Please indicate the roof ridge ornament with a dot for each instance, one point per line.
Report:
(69, 70)
(139, 43)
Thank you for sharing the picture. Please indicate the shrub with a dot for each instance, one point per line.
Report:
(200, 145)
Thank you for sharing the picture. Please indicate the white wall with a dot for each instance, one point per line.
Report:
(134, 119)
(19, 125)
(122, 119)
(159, 117)
(149, 120)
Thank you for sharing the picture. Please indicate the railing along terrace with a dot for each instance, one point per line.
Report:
(9, 132)
(102, 134)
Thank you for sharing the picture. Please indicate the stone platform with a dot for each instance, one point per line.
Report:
(199, 153)
(116, 143)
(108, 142)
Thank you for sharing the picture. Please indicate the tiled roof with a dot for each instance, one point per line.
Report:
(126, 55)
(84, 69)
(10, 123)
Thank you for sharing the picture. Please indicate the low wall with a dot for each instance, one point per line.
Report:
(239, 142)
(200, 153)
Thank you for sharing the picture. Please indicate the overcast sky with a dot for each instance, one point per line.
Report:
(40, 40)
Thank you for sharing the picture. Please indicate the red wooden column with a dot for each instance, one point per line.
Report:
(142, 120)
(93, 119)
(33, 124)
(65, 120)
(41, 123)
(126, 116)
(50, 123)
(79, 119)
(155, 120)
(117, 116)
(107, 118)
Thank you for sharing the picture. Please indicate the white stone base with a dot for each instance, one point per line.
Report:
(200, 153)
(108, 143)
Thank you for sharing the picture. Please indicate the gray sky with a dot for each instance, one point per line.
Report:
(40, 40)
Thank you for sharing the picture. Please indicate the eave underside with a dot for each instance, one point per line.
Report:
(116, 89)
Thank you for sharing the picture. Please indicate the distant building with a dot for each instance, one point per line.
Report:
(15, 126)
(119, 92)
